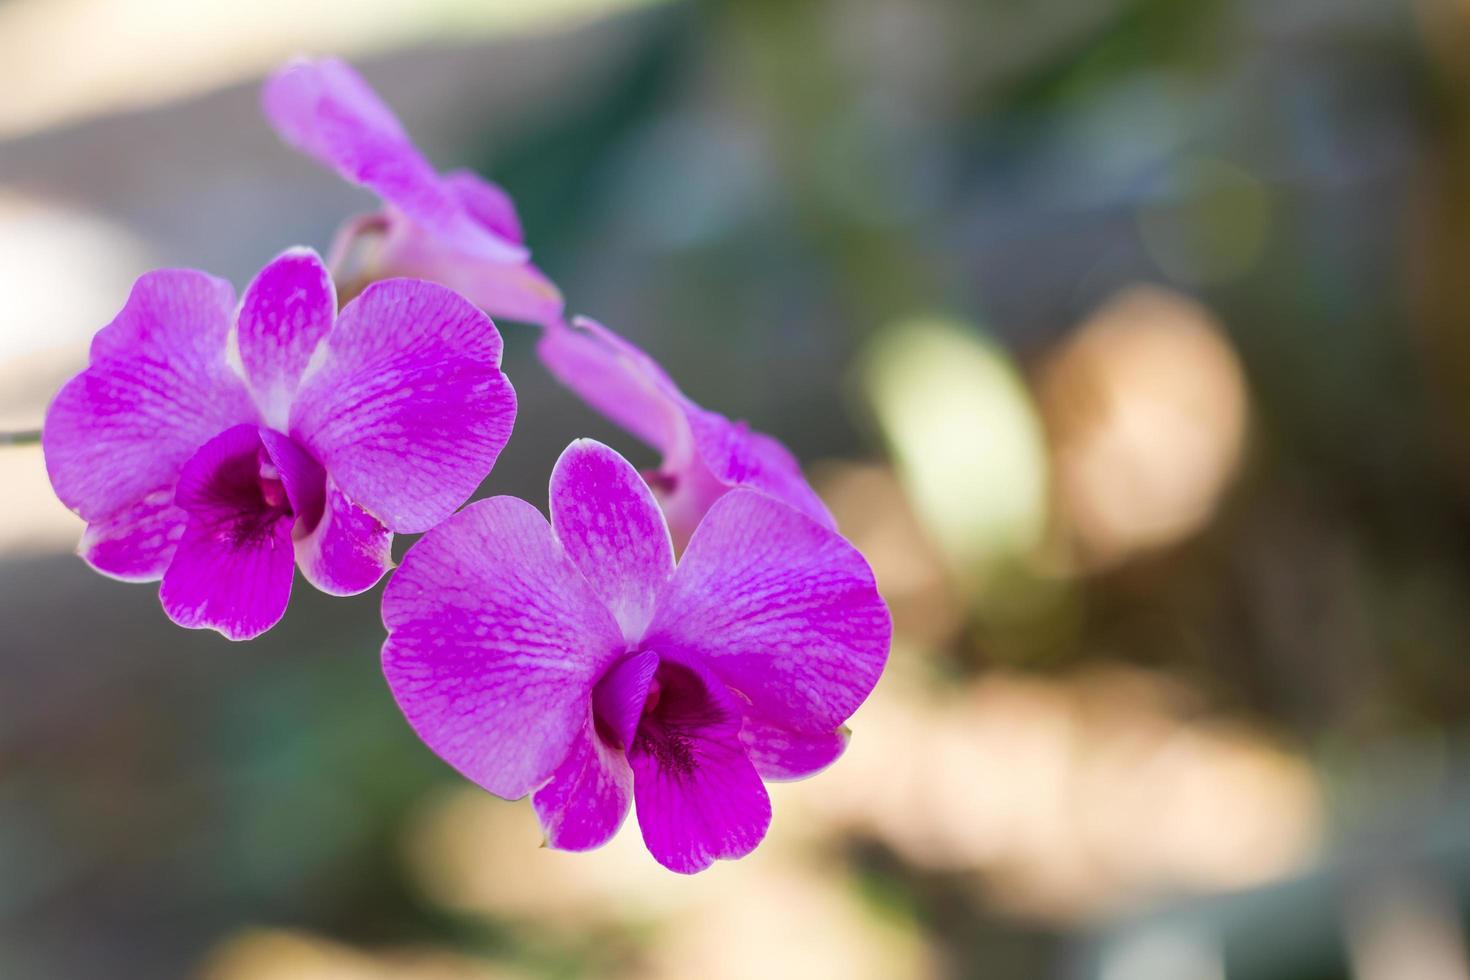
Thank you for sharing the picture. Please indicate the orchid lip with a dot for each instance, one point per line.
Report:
(252, 478)
(653, 703)
(624, 694)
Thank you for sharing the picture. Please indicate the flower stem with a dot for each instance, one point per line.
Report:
(27, 437)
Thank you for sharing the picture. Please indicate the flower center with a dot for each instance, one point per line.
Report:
(272, 490)
(650, 704)
(240, 490)
(662, 708)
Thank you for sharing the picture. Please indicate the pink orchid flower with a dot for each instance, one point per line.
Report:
(216, 447)
(575, 661)
(705, 455)
(455, 228)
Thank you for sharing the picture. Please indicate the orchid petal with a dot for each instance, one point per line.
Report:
(287, 310)
(157, 389)
(618, 380)
(779, 752)
(514, 290)
(699, 799)
(324, 108)
(705, 454)
(606, 518)
(495, 642)
(348, 551)
(738, 456)
(588, 797)
(487, 203)
(408, 410)
(783, 609)
(619, 698)
(136, 542)
(233, 566)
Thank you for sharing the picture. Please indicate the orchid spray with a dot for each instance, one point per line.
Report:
(664, 643)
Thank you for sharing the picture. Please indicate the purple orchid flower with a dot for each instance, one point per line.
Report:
(455, 228)
(576, 661)
(705, 455)
(215, 447)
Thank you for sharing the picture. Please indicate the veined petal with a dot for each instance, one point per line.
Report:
(324, 108)
(137, 542)
(738, 456)
(348, 551)
(705, 454)
(286, 312)
(605, 517)
(233, 566)
(781, 608)
(699, 799)
(717, 809)
(495, 641)
(779, 752)
(157, 389)
(618, 380)
(409, 409)
(240, 588)
(514, 290)
(588, 797)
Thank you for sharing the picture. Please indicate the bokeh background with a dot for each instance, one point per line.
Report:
(1129, 339)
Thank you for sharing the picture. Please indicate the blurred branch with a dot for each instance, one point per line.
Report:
(27, 437)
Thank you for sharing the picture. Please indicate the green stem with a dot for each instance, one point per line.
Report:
(28, 437)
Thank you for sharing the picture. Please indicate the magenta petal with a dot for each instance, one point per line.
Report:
(233, 566)
(348, 551)
(136, 543)
(495, 641)
(705, 454)
(514, 290)
(588, 796)
(618, 699)
(778, 752)
(408, 410)
(239, 588)
(605, 517)
(699, 799)
(618, 380)
(325, 109)
(487, 203)
(718, 809)
(285, 313)
(157, 389)
(783, 609)
(738, 456)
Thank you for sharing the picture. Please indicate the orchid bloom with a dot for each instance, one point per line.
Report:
(705, 455)
(576, 661)
(217, 446)
(454, 228)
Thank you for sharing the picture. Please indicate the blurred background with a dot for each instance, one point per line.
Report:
(1129, 339)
